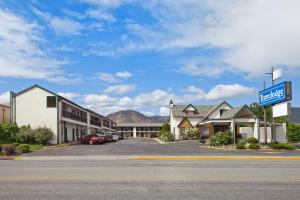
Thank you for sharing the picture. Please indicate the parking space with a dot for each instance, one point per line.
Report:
(143, 146)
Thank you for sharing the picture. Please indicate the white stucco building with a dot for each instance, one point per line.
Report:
(211, 119)
(139, 130)
(39, 107)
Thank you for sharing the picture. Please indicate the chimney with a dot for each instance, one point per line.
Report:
(171, 104)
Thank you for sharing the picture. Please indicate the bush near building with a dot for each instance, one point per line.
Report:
(8, 131)
(241, 144)
(24, 148)
(220, 139)
(283, 146)
(254, 146)
(42, 135)
(191, 134)
(293, 132)
(25, 135)
(252, 140)
(165, 134)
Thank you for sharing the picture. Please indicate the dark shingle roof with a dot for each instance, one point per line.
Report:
(202, 110)
(229, 114)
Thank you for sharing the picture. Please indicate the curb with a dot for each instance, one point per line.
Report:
(10, 158)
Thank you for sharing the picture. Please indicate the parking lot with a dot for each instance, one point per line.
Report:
(145, 146)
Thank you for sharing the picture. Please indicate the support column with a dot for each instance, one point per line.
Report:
(88, 128)
(256, 132)
(134, 132)
(232, 128)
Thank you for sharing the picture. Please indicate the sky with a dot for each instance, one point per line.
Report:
(111, 55)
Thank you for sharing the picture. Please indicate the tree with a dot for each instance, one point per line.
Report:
(259, 111)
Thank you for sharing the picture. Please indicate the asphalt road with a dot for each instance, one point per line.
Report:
(136, 180)
(140, 146)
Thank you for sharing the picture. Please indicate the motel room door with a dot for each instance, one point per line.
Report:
(65, 134)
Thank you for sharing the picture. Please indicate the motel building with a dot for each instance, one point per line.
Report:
(4, 114)
(211, 119)
(139, 130)
(39, 107)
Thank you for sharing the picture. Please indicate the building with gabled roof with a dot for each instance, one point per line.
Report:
(39, 107)
(211, 119)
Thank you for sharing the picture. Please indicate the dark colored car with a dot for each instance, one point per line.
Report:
(93, 139)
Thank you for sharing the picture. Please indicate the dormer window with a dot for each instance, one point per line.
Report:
(189, 112)
(222, 111)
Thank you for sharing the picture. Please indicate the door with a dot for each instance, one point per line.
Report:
(73, 134)
(65, 134)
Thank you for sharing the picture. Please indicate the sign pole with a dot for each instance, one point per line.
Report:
(274, 124)
(265, 120)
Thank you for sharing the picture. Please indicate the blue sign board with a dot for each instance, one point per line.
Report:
(275, 94)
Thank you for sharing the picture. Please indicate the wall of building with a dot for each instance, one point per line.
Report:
(4, 114)
(31, 108)
(216, 113)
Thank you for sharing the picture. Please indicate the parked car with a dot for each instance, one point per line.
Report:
(108, 136)
(116, 136)
(93, 139)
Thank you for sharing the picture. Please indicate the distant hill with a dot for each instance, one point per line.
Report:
(295, 117)
(131, 116)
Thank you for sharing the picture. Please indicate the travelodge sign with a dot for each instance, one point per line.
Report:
(276, 94)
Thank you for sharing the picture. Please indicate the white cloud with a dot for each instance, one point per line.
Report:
(107, 77)
(119, 89)
(249, 36)
(69, 95)
(100, 14)
(164, 111)
(159, 99)
(5, 98)
(113, 78)
(22, 55)
(103, 3)
(124, 74)
(65, 26)
(228, 91)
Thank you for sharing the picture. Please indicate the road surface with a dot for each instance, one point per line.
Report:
(143, 180)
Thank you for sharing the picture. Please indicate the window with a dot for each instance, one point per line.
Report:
(222, 111)
(51, 101)
(189, 112)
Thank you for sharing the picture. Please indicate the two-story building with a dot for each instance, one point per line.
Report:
(4, 113)
(211, 119)
(139, 130)
(39, 107)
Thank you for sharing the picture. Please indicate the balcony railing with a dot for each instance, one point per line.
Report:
(73, 116)
(95, 123)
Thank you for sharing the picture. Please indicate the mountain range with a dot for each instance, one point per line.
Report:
(131, 116)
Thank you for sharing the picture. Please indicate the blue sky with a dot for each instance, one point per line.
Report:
(112, 55)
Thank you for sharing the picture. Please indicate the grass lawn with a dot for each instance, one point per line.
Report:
(34, 147)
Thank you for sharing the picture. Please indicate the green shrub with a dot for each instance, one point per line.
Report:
(8, 131)
(293, 132)
(220, 139)
(254, 146)
(16, 144)
(191, 134)
(252, 140)
(9, 149)
(241, 144)
(283, 146)
(24, 148)
(166, 137)
(25, 135)
(42, 135)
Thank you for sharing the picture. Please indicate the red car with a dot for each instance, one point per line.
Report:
(93, 139)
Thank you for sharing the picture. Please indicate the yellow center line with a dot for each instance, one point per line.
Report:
(218, 158)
